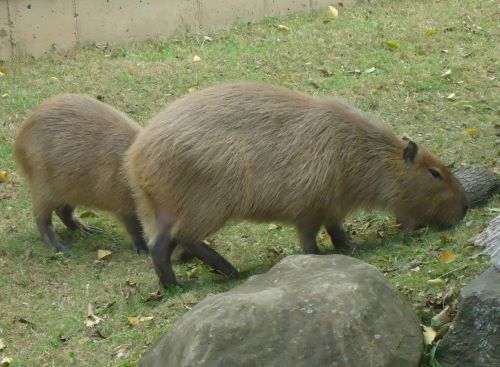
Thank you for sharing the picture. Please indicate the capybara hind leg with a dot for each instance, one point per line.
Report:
(67, 215)
(134, 228)
(211, 257)
(43, 218)
(338, 235)
(307, 236)
(181, 254)
(161, 247)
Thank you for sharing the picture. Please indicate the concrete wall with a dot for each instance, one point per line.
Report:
(35, 26)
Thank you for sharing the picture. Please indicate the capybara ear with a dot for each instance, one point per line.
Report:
(410, 153)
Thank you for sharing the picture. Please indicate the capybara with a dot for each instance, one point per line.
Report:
(71, 150)
(261, 152)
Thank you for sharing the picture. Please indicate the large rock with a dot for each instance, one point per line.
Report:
(490, 240)
(308, 310)
(474, 340)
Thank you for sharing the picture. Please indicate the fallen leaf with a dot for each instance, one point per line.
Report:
(446, 257)
(155, 296)
(196, 58)
(429, 335)
(392, 44)
(446, 73)
(451, 97)
(27, 322)
(273, 226)
(4, 176)
(2, 345)
(135, 320)
(5, 362)
(429, 31)
(130, 290)
(283, 27)
(369, 71)
(92, 318)
(331, 12)
(97, 334)
(207, 38)
(444, 317)
(120, 352)
(437, 282)
(103, 255)
(471, 132)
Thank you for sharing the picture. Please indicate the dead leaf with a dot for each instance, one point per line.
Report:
(471, 132)
(4, 176)
(429, 31)
(196, 58)
(438, 282)
(27, 322)
(451, 97)
(92, 318)
(369, 71)
(2, 345)
(444, 317)
(130, 290)
(97, 334)
(446, 257)
(120, 352)
(208, 39)
(155, 296)
(103, 255)
(5, 362)
(273, 227)
(429, 335)
(392, 44)
(446, 73)
(331, 12)
(135, 320)
(283, 27)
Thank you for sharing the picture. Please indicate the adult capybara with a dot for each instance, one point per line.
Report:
(262, 152)
(71, 150)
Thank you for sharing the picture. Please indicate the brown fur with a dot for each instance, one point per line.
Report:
(71, 150)
(261, 152)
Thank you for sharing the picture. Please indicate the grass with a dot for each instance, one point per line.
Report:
(44, 298)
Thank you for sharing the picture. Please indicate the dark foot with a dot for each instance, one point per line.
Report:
(307, 237)
(339, 237)
(67, 215)
(161, 247)
(51, 237)
(134, 228)
(211, 257)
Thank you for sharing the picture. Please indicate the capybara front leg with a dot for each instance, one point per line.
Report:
(43, 218)
(307, 236)
(161, 247)
(338, 235)
(134, 228)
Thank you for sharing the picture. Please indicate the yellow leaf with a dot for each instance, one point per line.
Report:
(103, 255)
(429, 335)
(392, 44)
(446, 73)
(446, 257)
(332, 13)
(451, 97)
(4, 176)
(437, 282)
(2, 345)
(133, 320)
(429, 32)
(196, 58)
(283, 27)
(5, 362)
(471, 132)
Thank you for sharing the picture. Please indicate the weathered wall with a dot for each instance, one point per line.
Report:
(35, 26)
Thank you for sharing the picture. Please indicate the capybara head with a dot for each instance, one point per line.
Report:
(429, 193)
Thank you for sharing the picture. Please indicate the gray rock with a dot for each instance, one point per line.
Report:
(308, 310)
(479, 184)
(490, 240)
(474, 339)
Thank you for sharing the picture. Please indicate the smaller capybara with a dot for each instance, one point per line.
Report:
(71, 150)
(261, 152)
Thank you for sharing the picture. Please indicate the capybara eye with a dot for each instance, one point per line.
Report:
(435, 173)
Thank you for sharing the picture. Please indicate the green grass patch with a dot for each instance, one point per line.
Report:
(44, 298)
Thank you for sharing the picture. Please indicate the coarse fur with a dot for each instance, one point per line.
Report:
(261, 152)
(71, 150)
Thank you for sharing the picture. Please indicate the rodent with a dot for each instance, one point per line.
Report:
(262, 152)
(71, 150)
